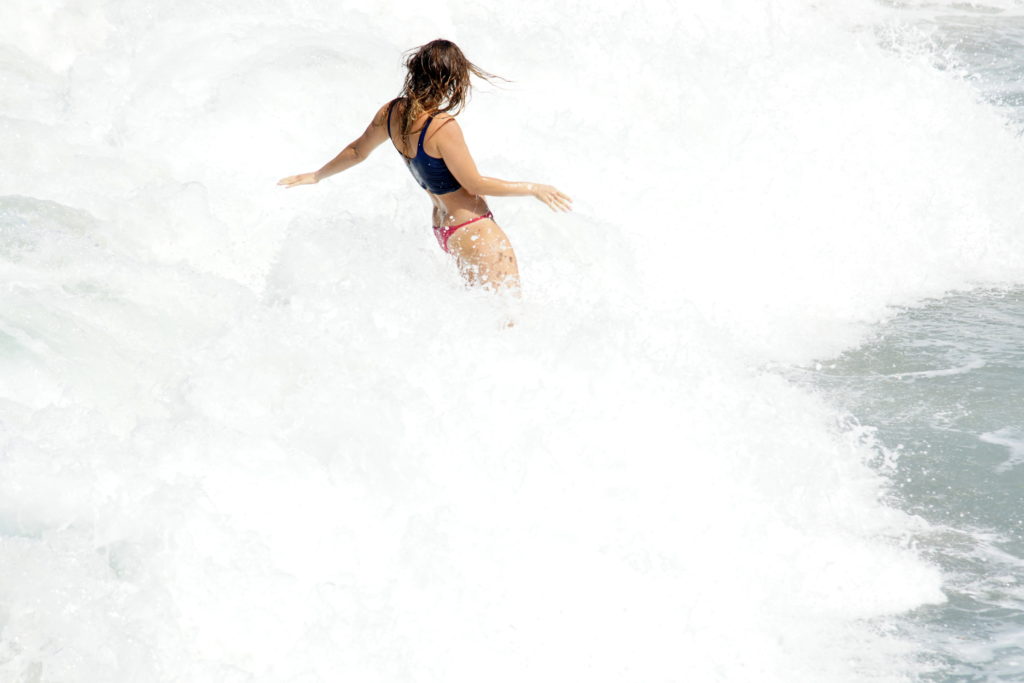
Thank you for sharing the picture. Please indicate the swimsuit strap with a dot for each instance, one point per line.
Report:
(423, 133)
(391, 108)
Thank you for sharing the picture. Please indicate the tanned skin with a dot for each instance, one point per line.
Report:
(481, 249)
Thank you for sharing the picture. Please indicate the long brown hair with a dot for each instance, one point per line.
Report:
(437, 81)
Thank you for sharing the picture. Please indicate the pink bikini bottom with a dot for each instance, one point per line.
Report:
(443, 232)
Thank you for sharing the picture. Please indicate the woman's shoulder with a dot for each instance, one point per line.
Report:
(444, 120)
(394, 105)
(445, 130)
(384, 113)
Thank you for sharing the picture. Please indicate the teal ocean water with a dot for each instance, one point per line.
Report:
(939, 390)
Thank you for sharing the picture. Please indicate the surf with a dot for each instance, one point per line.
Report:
(274, 433)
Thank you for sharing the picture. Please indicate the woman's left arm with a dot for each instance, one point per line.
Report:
(456, 156)
(356, 151)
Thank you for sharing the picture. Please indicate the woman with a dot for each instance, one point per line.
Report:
(421, 124)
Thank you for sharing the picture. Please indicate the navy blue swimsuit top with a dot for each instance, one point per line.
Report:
(430, 172)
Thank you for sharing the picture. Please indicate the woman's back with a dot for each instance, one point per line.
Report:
(407, 144)
(427, 167)
(421, 127)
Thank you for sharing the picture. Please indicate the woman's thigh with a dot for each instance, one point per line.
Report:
(485, 255)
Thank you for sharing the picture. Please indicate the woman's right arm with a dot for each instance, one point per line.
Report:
(354, 153)
(452, 146)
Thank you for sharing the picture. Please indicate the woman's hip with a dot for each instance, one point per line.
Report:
(444, 233)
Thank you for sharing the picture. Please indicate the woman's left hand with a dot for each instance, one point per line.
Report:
(301, 179)
(557, 200)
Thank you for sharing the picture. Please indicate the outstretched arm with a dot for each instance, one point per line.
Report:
(459, 161)
(357, 150)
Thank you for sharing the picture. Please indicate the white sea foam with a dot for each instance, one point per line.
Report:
(1013, 440)
(959, 7)
(262, 435)
(971, 365)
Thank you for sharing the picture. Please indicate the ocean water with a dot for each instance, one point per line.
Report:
(939, 391)
(755, 420)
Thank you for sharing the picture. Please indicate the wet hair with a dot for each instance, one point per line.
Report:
(437, 81)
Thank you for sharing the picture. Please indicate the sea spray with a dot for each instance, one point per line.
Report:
(256, 434)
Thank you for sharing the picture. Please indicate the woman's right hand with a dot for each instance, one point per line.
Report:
(301, 179)
(558, 201)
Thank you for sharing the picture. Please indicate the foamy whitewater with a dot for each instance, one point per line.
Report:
(249, 434)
